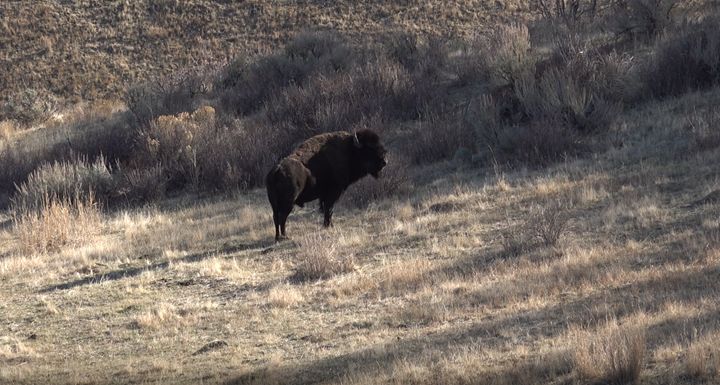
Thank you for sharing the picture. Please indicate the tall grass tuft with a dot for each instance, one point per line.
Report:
(612, 356)
(56, 223)
(702, 359)
(318, 259)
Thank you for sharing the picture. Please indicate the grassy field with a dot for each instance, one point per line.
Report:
(459, 282)
(550, 213)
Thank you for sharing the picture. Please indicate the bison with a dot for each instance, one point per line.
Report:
(322, 168)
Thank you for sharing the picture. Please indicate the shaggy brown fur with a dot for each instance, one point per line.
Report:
(322, 168)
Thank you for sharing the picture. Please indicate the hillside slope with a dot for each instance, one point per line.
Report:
(452, 284)
(91, 49)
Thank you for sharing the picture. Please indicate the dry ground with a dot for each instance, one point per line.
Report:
(452, 284)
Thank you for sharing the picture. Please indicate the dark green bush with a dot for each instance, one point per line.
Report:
(684, 61)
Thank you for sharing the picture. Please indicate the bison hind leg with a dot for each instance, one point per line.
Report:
(276, 222)
(283, 213)
(281, 210)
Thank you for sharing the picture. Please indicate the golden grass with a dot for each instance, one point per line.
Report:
(161, 315)
(285, 296)
(612, 355)
(319, 258)
(7, 129)
(56, 224)
(702, 358)
(12, 348)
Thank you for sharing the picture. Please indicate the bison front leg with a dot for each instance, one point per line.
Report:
(328, 212)
(327, 204)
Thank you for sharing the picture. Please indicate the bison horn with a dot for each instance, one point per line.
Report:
(356, 141)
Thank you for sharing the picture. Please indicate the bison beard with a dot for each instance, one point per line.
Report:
(322, 168)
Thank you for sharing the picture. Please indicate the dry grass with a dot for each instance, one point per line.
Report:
(7, 129)
(160, 316)
(285, 296)
(12, 349)
(611, 355)
(57, 223)
(319, 258)
(702, 358)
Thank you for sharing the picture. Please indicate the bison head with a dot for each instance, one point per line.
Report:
(371, 153)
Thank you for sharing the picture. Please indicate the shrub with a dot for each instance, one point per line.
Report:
(559, 96)
(319, 84)
(571, 14)
(423, 57)
(437, 139)
(260, 147)
(137, 186)
(380, 88)
(538, 112)
(394, 181)
(539, 143)
(29, 106)
(201, 151)
(112, 137)
(512, 58)
(56, 223)
(544, 225)
(64, 181)
(16, 163)
(705, 129)
(687, 60)
(169, 95)
(245, 86)
(403, 48)
(184, 146)
(503, 56)
(543, 117)
(606, 75)
(644, 19)
(548, 222)
(171, 141)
